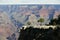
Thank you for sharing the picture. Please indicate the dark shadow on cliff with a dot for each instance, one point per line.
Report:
(39, 34)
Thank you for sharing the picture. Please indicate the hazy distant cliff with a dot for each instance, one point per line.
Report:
(6, 26)
(23, 12)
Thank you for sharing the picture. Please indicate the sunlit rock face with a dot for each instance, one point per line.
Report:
(32, 19)
(6, 26)
(44, 12)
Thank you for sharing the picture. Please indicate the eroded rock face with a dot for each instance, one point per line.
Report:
(22, 14)
(6, 26)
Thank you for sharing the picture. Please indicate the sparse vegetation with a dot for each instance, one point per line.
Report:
(28, 23)
(41, 20)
